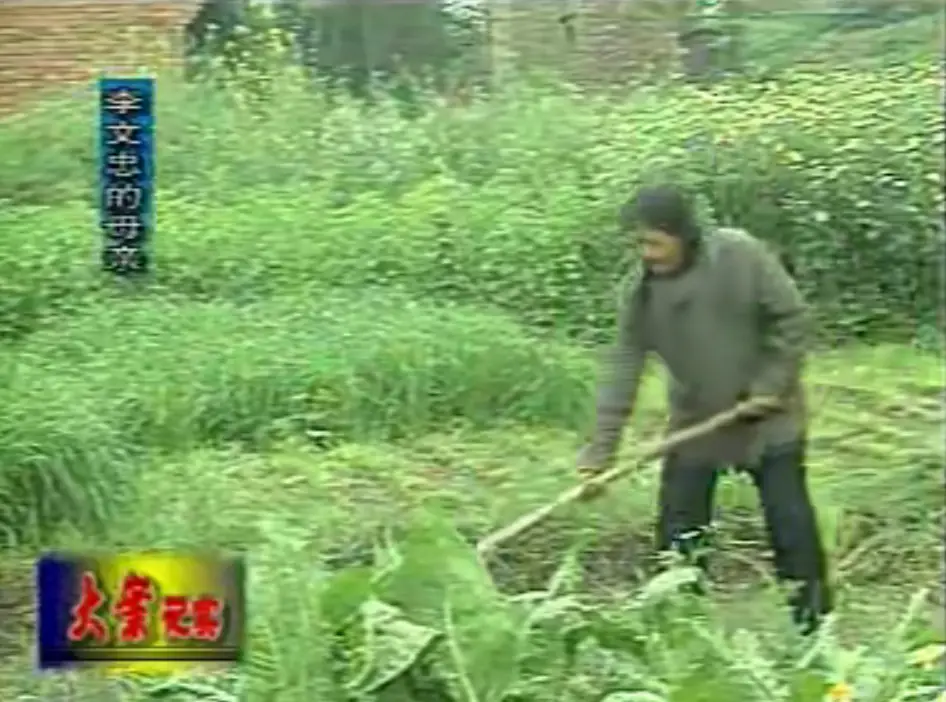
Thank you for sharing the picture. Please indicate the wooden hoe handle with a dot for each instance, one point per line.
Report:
(532, 519)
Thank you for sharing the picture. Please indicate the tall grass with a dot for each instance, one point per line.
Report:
(83, 399)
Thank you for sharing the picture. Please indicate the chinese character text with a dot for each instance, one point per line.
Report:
(132, 607)
(86, 621)
(194, 619)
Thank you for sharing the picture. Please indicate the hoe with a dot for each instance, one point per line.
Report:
(594, 486)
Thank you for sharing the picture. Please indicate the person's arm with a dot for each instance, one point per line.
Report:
(622, 373)
(785, 324)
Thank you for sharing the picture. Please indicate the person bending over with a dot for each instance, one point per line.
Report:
(727, 321)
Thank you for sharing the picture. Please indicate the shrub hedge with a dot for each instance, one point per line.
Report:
(508, 202)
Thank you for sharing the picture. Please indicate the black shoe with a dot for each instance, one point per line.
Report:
(810, 603)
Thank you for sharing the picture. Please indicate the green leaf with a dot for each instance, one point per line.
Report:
(557, 609)
(706, 682)
(435, 562)
(485, 648)
(556, 628)
(485, 633)
(344, 595)
(621, 633)
(668, 584)
(805, 686)
(392, 645)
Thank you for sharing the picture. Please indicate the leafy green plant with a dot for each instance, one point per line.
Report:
(426, 622)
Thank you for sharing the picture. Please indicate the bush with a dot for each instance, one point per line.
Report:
(508, 202)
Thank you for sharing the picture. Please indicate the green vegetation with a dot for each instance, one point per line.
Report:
(508, 204)
(370, 340)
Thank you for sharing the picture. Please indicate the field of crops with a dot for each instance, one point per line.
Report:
(371, 340)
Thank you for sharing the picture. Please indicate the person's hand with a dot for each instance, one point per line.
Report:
(755, 408)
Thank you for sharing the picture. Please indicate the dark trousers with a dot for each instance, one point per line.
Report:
(686, 507)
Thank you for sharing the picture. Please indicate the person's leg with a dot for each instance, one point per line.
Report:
(686, 497)
(793, 532)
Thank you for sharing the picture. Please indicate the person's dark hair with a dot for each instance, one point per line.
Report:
(663, 207)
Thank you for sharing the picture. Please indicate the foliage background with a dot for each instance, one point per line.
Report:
(380, 299)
